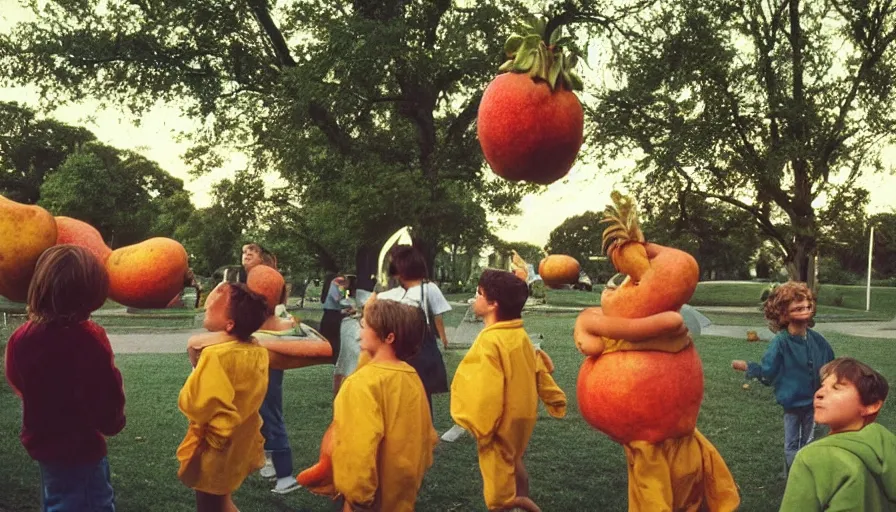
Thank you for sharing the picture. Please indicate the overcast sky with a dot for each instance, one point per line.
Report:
(583, 189)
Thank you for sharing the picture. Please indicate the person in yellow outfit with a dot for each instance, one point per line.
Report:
(382, 435)
(494, 394)
(221, 399)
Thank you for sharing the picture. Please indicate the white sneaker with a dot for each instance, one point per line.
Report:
(286, 485)
(268, 471)
(453, 434)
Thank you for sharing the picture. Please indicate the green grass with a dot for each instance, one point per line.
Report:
(883, 299)
(824, 314)
(572, 466)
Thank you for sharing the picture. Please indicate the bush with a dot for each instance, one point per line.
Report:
(829, 271)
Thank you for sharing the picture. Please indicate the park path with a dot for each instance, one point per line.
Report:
(175, 342)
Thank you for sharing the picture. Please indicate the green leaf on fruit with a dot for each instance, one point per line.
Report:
(507, 66)
(556, 35)
(513, 44)
(571, 61)
(524, 60)
(575, 83)
(556, 68)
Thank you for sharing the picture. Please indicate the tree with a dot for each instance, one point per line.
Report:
(579, 236)
(214, 235)
(719, 236)
(884, 243)
(31, 148)
(120, 193)
(768, 106)
(363, 104)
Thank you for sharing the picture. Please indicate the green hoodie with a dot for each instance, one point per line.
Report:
(846, 471)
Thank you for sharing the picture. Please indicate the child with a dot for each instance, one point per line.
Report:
(221, 399)
(792, 361)
(267, 282)
(494, 393)
(383, 437)
(61, 365)
(853, 468)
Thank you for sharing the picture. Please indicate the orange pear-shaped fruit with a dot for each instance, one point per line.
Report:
(148, 274)
(26, 231)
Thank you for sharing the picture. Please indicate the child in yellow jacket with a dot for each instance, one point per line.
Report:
(383, 436)
(495, 391)
(221, 399)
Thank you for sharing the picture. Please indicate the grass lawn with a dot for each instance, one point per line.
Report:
(572, 466)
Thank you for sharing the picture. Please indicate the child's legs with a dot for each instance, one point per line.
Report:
(77, 487)
(431, 413)
(214, 502)
(273, 428)
(807, 421)
(796, 435)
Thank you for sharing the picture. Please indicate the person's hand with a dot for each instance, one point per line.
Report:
(739, 365)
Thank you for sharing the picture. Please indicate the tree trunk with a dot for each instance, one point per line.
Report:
(801, 263)
(366, 266)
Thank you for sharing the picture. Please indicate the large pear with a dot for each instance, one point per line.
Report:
(76, 232)
(148, 274)
(26, 231)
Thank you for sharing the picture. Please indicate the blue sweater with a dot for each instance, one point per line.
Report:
(791, 365)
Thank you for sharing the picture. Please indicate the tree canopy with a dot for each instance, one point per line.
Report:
(775, 107)
(31, 148)
(122, 194)
(368, 104)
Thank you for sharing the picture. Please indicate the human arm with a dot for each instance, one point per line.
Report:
(197, 342)
(105, 385)
(440, 328)
(767, 369)
(12, 375)
(548, 391)
(477, 391)
(207, 400)
(438, 305)
(358, 428)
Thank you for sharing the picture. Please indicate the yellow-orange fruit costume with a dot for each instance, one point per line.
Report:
(642, 381)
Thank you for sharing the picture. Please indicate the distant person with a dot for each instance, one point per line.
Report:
(791, 362)
(61, 365)
(254, 254)
(278, 454)
(409, 265)
(853, 468)
(221, 400)
(334, 311)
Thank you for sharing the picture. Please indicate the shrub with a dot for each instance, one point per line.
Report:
(830, 271)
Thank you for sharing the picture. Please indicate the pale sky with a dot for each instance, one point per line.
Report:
(585, 188)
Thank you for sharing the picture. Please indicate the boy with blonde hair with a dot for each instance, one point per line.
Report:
(853, 468)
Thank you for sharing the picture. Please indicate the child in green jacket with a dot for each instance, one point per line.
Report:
(854, 468)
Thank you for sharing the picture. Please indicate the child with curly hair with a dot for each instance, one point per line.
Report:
(792, 361)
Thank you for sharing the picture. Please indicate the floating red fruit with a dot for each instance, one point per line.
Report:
(530, 123)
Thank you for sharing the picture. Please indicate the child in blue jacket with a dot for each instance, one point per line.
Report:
(792, 362)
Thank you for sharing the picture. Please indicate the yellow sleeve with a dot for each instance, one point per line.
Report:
(207, 399)
(358, 429)
(477, 391)
(548, 391)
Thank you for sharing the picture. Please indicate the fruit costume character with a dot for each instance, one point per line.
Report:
(642, 383)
